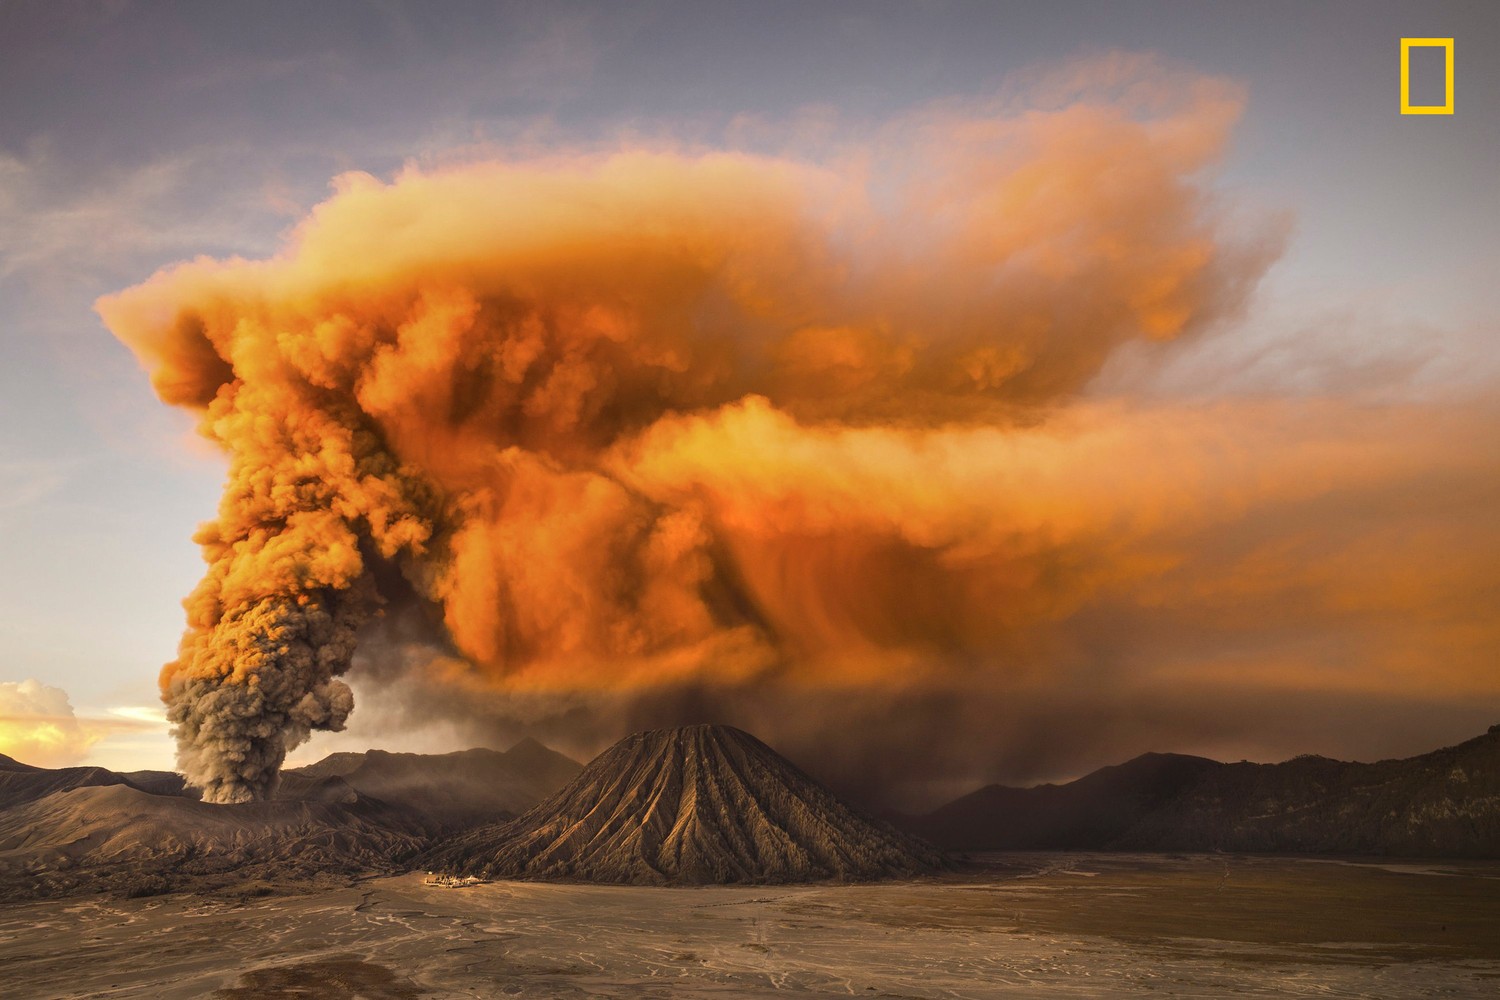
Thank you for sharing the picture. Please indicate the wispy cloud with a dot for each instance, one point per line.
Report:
(24, 484)
(54, 227)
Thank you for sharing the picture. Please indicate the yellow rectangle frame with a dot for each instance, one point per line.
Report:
(1407, 44)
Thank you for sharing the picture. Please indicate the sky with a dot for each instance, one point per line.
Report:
(1268, 528)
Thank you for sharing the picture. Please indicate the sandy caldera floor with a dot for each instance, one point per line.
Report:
(1054, 925)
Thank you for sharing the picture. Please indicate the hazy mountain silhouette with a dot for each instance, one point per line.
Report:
(1441, 804)
(84, 829)
(452, 789)
(702, 804)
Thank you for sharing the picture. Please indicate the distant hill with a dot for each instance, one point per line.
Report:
(117, 837)
(83, 829)
(703, 804)
(1440, 804)
(335, 765)
(20, 783)
(452, 789)
(160, 783)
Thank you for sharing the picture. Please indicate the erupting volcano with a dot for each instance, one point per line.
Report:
(652, 421)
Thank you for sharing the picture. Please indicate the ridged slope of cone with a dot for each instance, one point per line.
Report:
(703, 804)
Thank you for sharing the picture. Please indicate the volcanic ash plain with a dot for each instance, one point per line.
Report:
(1053, 925)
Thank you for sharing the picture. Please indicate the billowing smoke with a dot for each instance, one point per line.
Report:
(655, 421)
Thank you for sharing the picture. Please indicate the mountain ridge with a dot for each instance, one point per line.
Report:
(1444, 803)
(745, 815)
(71, 830)
(459, 788)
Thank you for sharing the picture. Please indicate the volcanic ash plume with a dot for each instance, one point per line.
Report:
(310, 497)
(543, 398)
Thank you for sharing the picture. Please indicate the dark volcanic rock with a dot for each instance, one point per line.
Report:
(704, 804)
(1440, 804)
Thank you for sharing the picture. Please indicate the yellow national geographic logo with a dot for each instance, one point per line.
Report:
(1446, 44)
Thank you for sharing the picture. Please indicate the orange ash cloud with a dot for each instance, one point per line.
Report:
(894, 549)
(653, 417)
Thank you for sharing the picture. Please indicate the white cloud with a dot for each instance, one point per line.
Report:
(37, 725)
